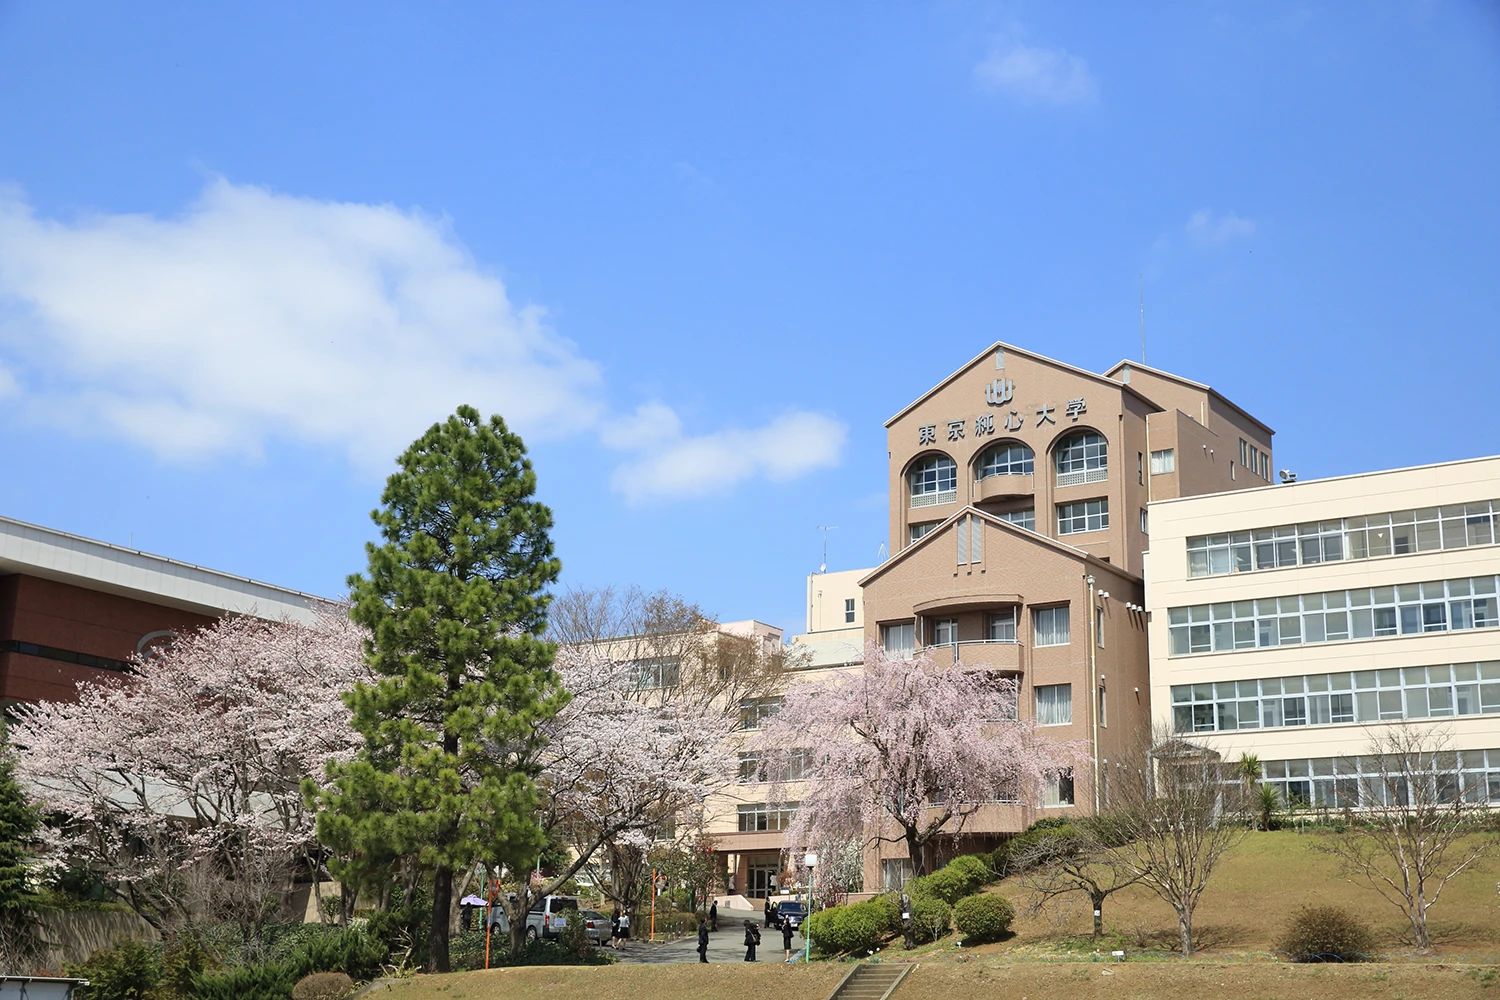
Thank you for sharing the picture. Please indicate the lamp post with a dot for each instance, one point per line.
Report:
(810, 860)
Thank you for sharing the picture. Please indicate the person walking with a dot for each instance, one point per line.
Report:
(786, 938)
(752, 938)
(614, 927)
(703, 941)
(624, 925)
(713, 916)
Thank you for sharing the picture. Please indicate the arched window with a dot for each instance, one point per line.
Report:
(1008, 458)
(933, 480)
(1082, 458)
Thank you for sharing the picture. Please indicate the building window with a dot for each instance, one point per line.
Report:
(848, 610)
(1009, 458)
(1085, 515)
(969, 533)
(1083, 458)
(1361, 783)
(945, 632)
(894, 872)
(1254, 459)
(1335, 616)
(1050, 626)
(1054, 704)
(755, 711)
(657, 672)
(918, 531)
(1144, 530)
(753, 770)
(1021, 518)
(1059, 789)
(1140, 469)
(1402, 532)
(1231, 470)
(1099, 627)
(1364, 696)
(758, 816)
(1003, 626)
(1103, 708)
(933, 480)
(899, 640)
(1163, 462)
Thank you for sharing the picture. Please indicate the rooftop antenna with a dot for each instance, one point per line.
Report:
(825, 529)
(1142, 279)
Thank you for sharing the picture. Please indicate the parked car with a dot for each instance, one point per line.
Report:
(548, 916)
(791, 913)
(595, 925)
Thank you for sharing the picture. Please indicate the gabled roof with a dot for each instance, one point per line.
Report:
(33, 550)
(1192, 385)
(1012, 349)
(1023, 533)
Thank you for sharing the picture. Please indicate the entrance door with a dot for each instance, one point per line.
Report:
(762, 880)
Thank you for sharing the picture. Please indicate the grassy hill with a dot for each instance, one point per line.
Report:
(1256, 887)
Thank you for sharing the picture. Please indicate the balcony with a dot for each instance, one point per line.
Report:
(1004, 487)
(933, 499)
(990, 654)
(1082, 476)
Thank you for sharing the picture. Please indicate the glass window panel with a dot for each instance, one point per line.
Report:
(1416, 703)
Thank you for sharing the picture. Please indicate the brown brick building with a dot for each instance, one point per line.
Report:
(73, 609)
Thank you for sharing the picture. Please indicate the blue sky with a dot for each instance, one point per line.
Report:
(698, 253)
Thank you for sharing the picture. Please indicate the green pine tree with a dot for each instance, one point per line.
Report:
(19, 820)
(455, 601)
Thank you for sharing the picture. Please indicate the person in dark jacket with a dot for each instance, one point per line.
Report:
(703, 941)
(786, 938)
(713, 916)
(752, 938)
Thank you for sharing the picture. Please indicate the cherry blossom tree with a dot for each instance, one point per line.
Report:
(614, 769)
(905, 750)
(180, 785)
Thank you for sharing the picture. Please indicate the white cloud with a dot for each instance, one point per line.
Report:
(1203, 227)
(784, 449)
(255, 315)
(1049, 76)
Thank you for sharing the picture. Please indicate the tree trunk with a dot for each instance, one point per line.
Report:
(1185, 928)
(442, 903)
(1098, 900)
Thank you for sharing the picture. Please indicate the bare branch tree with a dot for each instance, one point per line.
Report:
(1167, 827)
(1072, 860)
(1418, 828)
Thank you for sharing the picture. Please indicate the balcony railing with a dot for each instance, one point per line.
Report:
(1003, 653)
(1082, 476)
(933, 499)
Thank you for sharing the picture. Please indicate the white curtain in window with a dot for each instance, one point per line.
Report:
(899, 640)
(1003, 626)
(1054, 704)
(1051, 626)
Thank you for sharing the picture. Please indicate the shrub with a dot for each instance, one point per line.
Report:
(323, 986)
(841, 929)
(1327, 934)
(128, 971)
(930, 918)
(889, 904)
(354, 952)
(267, 981)
(983, 917)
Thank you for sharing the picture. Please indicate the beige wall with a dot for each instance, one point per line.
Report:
(826, 594)
(1174, 521)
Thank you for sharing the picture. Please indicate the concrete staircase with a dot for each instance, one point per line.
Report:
(875, 981)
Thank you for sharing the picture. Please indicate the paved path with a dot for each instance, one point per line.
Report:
(727, 945)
